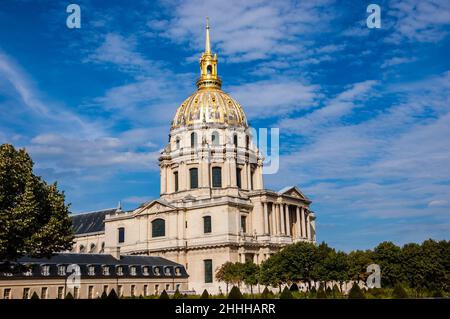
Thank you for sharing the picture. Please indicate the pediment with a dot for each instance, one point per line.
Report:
(293, 191)
(154, 207)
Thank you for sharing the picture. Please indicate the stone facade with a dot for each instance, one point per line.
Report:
(213, 206)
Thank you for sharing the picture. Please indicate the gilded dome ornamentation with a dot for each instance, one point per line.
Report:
(209, 104)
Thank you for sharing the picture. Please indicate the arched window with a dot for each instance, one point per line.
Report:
(82, 248)
(92, 248)
(193, 177)
(209, 69)
(158, 228)
(193, 139)
(216, 177)
(247, 141)
(207, 224)
(215, 138)
(121, 234)
(235, 140)
(177, 143)
(102, 249)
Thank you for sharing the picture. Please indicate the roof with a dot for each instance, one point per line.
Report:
(156, 266)
(92, 222)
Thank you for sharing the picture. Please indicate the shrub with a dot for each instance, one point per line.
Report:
(112, 295)
(235, 293)
(321, 294)
(35, 296)
(68, 296)
(205, 294)
(399, 292)
(286, 294)
(104, 295)
(294, 287)
(356, 292)
(336, 292)
(266, 294)
(164, 295)
(177, 295)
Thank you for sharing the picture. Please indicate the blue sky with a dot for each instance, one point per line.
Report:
(364, 114)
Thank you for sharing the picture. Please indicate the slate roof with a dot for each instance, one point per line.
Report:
(154, 266)
(92, 222)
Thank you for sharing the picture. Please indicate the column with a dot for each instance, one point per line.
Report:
(307, 227)
(163, 179)
(233, 181)
(274, 219)
(183, 176)
(249, 176)
(283, 224)
(299, 223)
(303, 222)
(288, 221)
(266, 218)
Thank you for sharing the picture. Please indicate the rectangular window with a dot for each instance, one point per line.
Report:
(244, 224)
(121, 234)
(120, 290)
(26, 293)
(91, 292)
(7, 293)
(145, 290)
(238, 177)
(156, 289)
(60, 293)
(167, 287)
(44, 292)
(105, 289)
(175, 177)
(76, 292)
(208, 270)
(193, 174)
(207, 224)
(133, 290)
(216, 177)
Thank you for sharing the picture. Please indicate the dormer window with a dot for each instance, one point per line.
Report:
(45, 270)
(105, 270)
(62, 270)
(177, 271)
(145, 271)
(157, 271)
(133, 270)
(167, 271)
(91, 270)
(120, 271)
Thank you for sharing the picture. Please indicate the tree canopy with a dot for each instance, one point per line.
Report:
(34, 219)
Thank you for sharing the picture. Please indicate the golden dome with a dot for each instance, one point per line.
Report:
(209, 104)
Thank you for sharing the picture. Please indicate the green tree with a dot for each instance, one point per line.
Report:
(226, 273)
(34, 219)
(164, 295)
(358, 261)
(177, 295)
(250, 273)
(389, 257)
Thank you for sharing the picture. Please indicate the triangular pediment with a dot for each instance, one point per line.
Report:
(293, 191)
(154, 206)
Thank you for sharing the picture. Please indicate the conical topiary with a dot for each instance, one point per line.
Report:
(286, 294)
(266, 294)
(34, 295)
(235, 293)
(336, 292)
(177, 295)
(205, 294)
(294, 287)
(112, 295)
(356, 292)
(164, 295)
(321, 294)
(104, 295)
(399, 292)
(69, 296)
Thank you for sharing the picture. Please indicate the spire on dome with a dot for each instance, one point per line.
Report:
(208, 66)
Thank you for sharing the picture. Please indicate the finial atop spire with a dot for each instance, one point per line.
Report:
(208, 66)
(207, 42)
